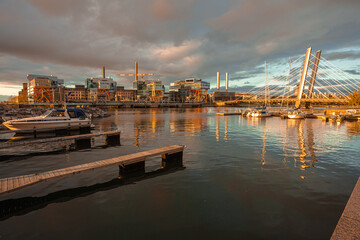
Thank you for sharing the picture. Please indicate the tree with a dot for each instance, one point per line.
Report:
(354, 98)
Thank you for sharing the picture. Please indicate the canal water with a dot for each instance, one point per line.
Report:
(241, 178)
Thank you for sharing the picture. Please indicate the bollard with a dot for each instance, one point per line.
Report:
(84, 130)
(134, 169)
(112, 140)
(172, 160)
(83, 143)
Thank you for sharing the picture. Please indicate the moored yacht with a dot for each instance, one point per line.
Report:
(51, 120)
(296, 114)
(260, 112)
(336, 118)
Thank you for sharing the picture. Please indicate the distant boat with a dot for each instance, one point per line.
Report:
(336, 118)
(247, 112)
(296, 114)
(51, 120)
(260, 113)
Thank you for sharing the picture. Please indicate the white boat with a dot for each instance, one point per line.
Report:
(259, 113)
(246, 112)
(336, 118)
(262, 112)
(51, 120)
(296, 114)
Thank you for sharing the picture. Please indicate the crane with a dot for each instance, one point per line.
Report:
(136, 74)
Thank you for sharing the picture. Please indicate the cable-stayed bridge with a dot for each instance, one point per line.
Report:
(310, 79)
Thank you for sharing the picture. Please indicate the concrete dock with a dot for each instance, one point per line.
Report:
(128, 164)
(348, 226)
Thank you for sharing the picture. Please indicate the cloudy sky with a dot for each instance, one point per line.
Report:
(175, 39)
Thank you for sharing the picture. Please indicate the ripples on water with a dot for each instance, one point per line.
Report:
(243, 178)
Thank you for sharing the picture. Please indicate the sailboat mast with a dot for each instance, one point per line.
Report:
(266, 84)
(287, 102)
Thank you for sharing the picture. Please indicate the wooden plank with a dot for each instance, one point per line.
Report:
(26, 180)
(44, 175)
(14, 182)
(33, 179)
(21, 181)
(4, 185)
(10, 184)
(228, 113)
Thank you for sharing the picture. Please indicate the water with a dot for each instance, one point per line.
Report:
(241, 179)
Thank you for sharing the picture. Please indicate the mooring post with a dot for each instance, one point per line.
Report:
(133, 169)
(85, 130)
(171, 160)
(112, 139)
(82, 143)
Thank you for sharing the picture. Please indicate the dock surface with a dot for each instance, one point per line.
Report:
(14, 183)
(228, 113)
(55, 139)
(348, 226)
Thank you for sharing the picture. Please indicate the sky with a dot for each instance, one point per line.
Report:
(173, 39)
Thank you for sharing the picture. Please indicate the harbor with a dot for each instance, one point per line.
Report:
(285, 159)
(163, 119)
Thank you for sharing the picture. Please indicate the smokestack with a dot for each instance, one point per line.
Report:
(103, 71)
(227, 82)
(218, 81)
(136, 71)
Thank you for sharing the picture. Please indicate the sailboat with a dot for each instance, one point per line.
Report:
(262, 112)
(296, 114)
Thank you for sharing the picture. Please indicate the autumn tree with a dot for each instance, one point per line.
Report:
(354, 98)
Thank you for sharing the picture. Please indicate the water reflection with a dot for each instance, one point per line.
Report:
(353, 128)
(253, 165)
(217, 128)
(297, 138)
(263, 152)
(22, 206)
(300, 140)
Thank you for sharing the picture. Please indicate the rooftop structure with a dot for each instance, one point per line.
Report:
(42, 87)
(101, 88)
(223, 96)
(191, 88)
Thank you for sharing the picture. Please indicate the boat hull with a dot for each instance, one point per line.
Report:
(26, 127)
(261, 115)
(296, 117)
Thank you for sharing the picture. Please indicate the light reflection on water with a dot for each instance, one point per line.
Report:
(244, 178)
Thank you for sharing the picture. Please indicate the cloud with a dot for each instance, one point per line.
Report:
(172, 52)
(353, 72)
(175, 39)
(343, 55)
(275, 26)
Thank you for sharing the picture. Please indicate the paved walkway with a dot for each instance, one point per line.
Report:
(348, 226)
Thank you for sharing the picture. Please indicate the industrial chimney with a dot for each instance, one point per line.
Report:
(103, 71)
(136, 71)
(218, 81)
(227, 82)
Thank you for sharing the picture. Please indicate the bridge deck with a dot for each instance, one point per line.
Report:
(14, 183)
(46, 140)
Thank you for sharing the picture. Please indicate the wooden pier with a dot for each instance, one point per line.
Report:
(348, 226)
(128, 164)
(228, 113)
(81, 141)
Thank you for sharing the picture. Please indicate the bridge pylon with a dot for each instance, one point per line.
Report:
(313, 74)
(303, 77)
